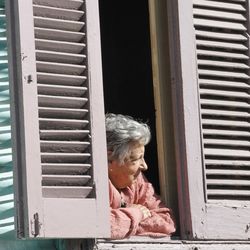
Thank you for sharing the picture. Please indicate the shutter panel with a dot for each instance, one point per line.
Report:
(59, 127)
(215, 73)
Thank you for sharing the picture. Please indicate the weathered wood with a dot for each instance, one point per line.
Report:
(223, 45)
(222, 36)
(219, 24)
(225, 74)
(228, 65)
(223, 142)
(224, 93)
(219, 5)
(156, 244)
(223, 84)
(212, 53)
(213, 103)
(224, 172)
(240, 154)
(219, 14)
(226, 113)
(59, 35)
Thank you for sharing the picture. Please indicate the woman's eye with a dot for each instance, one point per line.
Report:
(137, 159)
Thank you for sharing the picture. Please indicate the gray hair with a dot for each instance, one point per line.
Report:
(123, 132)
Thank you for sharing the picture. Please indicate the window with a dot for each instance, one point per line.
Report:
(200, 54)
(58, 126)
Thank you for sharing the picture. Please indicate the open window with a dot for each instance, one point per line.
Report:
(127, 68)
(135, 84)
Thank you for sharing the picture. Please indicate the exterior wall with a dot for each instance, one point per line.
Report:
(7, 232)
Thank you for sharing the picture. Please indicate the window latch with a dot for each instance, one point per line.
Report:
(35, 225)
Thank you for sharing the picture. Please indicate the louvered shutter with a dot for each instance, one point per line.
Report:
(58, 118)
(214, 173)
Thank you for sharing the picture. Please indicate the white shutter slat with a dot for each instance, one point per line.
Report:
(220, 36)
(64, 134)
(64, 146)
(61, 101)
(219, 5)
(66, 168)
(51, 23)
(237, 154)
(46, 89)
(59, 35)
(231, 182)
(219, 24)
(59, 57)
(224, 93)
(221, 54)
(213, 83)
(225, 133)
(223, 45)
(57, 13)
(233, 193)
(222, 103)
(224, 74)
(62, 124)
(213, 63)
(225, 113)
(219, 14)
(226, 143)
(229, 123)
(223, 163)
(69, 192)
(59, 46)
(65, 157)
(68, 4)
(60, 68)
(60, 79)
(227, 172)
(68, 180)
(62, 113)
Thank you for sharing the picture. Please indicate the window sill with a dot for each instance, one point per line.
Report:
(144, 243)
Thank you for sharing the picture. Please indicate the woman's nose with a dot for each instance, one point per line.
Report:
(144, 165)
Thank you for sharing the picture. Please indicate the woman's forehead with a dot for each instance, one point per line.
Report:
(137, 149)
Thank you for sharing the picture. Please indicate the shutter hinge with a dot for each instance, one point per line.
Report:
(35, 225)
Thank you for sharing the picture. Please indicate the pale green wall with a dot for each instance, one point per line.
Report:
(7, 233)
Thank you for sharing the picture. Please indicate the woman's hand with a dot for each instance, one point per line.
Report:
(145, 211)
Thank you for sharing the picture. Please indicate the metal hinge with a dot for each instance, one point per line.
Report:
(35, 225)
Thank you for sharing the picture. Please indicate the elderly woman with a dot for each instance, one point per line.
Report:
(135, 209)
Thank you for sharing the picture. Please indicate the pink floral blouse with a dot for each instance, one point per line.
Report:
(128, 221)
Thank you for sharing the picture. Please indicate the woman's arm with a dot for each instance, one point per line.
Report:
(161, 222)
(125, 222)
(147, 216)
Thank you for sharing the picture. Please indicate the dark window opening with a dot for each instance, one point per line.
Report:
(127, 69)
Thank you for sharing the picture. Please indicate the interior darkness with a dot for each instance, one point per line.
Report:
(127, 69)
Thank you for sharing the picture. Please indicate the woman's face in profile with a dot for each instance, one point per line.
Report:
(124, 175)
